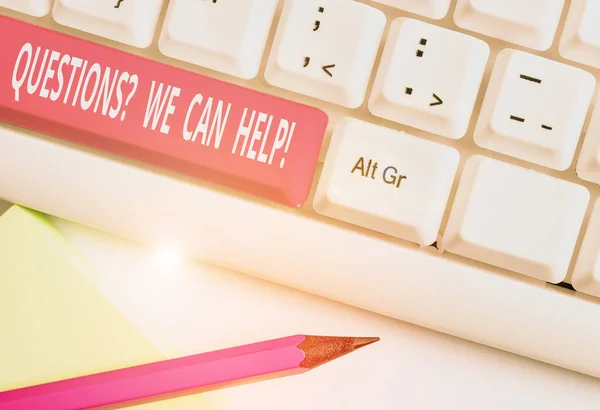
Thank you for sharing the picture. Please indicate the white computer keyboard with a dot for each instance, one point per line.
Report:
(456, 187)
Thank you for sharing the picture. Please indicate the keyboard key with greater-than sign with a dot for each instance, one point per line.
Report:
(429, 77)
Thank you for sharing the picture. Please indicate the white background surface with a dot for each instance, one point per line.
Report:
(196, 308)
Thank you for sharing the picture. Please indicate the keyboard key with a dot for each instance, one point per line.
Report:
(435, 9)
(326, 49)
(160, 115)
(386, 180)
(580, 40)
(588, 164)
(516, 219)
(131, 22)
(586, 274)
(530, 23)
(534, 109)
(429, 77)
(36, 8)
(226, 36)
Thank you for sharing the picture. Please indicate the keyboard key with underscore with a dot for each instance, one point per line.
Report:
(132, 22)
(515, 218)
(326, 49)
(429, 77)
(580, 40)
(155, 114)
(534, 109)
(586, 274)
(386, 180)
(226, 36)
(529, 23)
(37, 8)
(435, 9)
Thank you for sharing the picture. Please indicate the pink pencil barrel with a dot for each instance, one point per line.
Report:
(161, 378)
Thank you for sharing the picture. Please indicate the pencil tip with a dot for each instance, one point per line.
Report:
(364, 341)
(319, 350)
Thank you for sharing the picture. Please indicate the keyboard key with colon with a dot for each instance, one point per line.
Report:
(515, 218)
(326, 49)
(580, 40)
(435, 9)
(158, 115)
(37, 8)
(226, 36)
(131, 22)
(429, 77)
(386, 180)
(529, 23)
(534, 109)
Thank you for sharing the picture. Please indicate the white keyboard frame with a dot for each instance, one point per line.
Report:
(424, 286)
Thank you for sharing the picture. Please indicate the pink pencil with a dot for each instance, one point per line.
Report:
(191, 374)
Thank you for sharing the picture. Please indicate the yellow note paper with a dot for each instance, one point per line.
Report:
(53, 323)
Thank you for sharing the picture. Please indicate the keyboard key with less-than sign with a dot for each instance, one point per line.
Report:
(153, 113)
(326, 49)
(386, 180)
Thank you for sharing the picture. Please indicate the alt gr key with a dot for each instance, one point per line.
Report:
(386, 180)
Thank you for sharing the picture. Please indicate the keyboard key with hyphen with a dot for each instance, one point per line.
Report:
(156, 114)
(226, 36)
(429, 77)
(36, 8)
(326, 49)
(534, 109)
(386, 180)
(516, 218)
(529, 23)
(131, 22)
(435, 9)
(580, 40)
